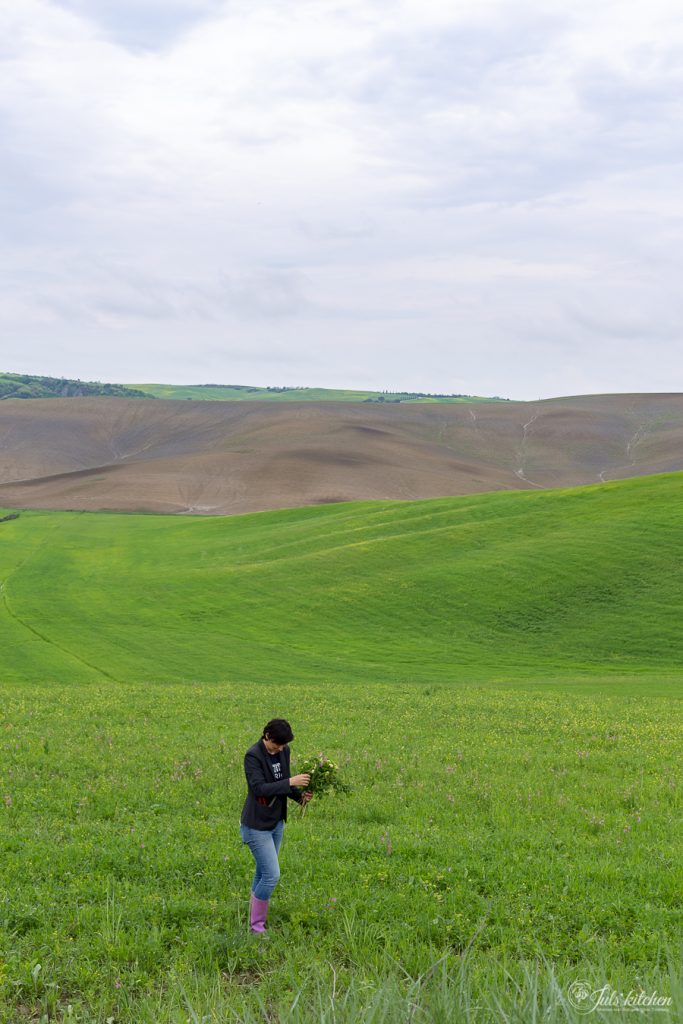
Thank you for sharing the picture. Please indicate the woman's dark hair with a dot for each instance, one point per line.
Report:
(279, 730)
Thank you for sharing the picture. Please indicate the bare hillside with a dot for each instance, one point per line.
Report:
(225, 457)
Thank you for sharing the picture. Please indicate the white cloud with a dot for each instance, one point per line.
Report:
(429, 195)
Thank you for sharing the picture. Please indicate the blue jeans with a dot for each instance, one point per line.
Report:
(265, 847)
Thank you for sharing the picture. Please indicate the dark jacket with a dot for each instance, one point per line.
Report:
(261, 783)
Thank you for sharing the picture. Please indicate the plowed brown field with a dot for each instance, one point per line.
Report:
(224, 457)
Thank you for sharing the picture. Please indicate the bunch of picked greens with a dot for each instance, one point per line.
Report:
(324, 777)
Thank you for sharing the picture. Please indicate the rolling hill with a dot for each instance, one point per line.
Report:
(529, 585)
(245, 393)
(124, 454)
(27, 385)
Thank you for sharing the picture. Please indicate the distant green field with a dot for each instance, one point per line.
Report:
(24, 385)
(244, 393)
(499, 678)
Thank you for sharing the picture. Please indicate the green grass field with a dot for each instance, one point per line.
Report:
(244, 393)
(509, 585)
(15, 386)
(499, 676)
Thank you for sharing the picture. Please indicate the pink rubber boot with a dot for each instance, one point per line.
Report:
(258, 912)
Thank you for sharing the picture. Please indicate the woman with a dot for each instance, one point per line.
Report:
(266, 766)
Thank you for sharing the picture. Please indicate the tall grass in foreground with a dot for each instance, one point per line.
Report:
(450, 990)
(529, 993)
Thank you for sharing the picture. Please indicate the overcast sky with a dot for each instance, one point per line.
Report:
(473, 197)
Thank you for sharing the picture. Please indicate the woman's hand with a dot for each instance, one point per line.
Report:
(300, 780)
(305, 797)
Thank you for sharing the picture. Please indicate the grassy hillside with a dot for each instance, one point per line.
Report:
(244, 393)
(27, 385)
(504, 585)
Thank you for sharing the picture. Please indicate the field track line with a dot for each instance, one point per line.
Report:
(28, 626)
(302, 556)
